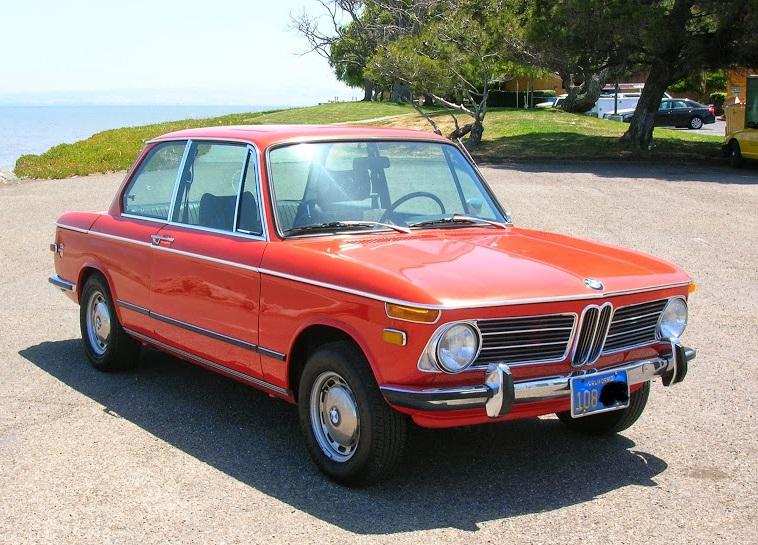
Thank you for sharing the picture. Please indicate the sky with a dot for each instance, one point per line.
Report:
(220, 52)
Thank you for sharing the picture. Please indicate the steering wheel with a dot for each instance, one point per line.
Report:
(390, 212)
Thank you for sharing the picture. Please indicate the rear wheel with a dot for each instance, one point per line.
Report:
(695, 123)
(610, 422)
(353, 436)
(107, 345)
(735, 155)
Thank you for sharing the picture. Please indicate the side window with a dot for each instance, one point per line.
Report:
(249, 215)
(209, 185)
(665, 105)
(152, 186)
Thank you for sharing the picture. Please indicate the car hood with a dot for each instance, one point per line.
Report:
(469, 266)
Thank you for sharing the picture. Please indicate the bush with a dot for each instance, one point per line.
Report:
(718, 99)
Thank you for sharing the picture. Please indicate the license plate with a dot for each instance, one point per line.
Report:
(599, 392)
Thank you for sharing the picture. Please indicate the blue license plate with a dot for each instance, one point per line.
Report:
(599, 392)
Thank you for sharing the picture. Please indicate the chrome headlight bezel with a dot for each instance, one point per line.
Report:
(672, 322)
(432, 361)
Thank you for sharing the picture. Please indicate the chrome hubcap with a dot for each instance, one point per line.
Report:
(697, 123)
(334, 416)
(98, 323)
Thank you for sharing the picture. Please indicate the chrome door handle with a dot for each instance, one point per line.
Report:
(157, 239)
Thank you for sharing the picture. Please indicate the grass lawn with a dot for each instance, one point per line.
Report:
(517, 135)
(510, 135)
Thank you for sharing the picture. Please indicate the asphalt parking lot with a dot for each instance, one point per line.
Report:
(171, 453)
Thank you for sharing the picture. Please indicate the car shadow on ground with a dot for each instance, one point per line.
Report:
(454, 478)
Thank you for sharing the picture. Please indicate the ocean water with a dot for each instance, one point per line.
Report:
(34, 129)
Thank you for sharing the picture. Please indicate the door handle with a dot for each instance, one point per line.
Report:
(157, 239)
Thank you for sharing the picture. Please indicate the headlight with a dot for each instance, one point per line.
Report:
(673, 320)
(457, 347)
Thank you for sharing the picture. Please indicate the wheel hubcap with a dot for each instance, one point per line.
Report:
(98, 323)
(334, 416)
(697, 123)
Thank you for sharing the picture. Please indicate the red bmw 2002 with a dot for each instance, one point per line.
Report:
(371, 277)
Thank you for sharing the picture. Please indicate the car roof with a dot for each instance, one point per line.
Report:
(264, 136)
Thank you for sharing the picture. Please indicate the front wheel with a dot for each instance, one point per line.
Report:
(735, 155)
(353, 436)
(610, 422)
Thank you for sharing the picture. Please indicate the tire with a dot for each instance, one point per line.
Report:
(107, 346)
(353, 436)
(610, 422)
(735, 155)
(695, 123)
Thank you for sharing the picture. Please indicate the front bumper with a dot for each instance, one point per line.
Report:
(499, 392)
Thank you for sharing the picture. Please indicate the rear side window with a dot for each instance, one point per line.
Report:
(152, 186)
(209, 185)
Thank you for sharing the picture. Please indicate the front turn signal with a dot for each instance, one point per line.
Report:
(412, 314)
(692, 288)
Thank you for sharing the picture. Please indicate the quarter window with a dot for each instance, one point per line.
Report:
(150, 189)
(209, 185)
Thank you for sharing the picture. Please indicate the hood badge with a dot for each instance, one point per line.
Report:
(594, 284)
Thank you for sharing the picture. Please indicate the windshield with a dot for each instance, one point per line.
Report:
(354, 186)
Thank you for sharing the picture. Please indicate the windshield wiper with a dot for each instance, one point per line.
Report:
(458, 218)
(341, 225)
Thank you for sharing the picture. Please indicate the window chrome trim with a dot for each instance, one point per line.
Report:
(203, 331)
(250, 147)
(202, 361)
(179, 174)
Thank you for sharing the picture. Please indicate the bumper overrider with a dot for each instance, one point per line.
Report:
(499, 392)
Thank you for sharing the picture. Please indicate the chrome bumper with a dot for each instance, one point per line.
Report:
(499, 392)
(59, 282)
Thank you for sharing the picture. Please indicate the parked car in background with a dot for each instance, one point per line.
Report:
(549, 102)
(680, 113)
(741, 141)
(370, 277)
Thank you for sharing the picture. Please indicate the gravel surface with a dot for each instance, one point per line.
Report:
(171, 453)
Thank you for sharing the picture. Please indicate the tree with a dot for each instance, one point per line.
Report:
(453, 56)
(586, 42)
(681, 37)
(345, 43)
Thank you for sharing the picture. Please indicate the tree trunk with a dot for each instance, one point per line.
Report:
(640, 131)
(368, 90)
(428, 101)
(582, 98)
(475, 135)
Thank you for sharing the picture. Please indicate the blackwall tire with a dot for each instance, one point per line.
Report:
(352, 435)
(107, 346)
(610, 422)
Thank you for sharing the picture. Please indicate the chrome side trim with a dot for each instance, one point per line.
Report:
(384, 299)
(207, 363)
(135, 308)
(71, 228)
(208, 258)
(203, 331)
(59, 282)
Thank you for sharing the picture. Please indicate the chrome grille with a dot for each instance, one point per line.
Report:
(634, 325)
(592, 333)
(535, 339)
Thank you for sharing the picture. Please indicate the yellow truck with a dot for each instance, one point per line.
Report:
(741, 141)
